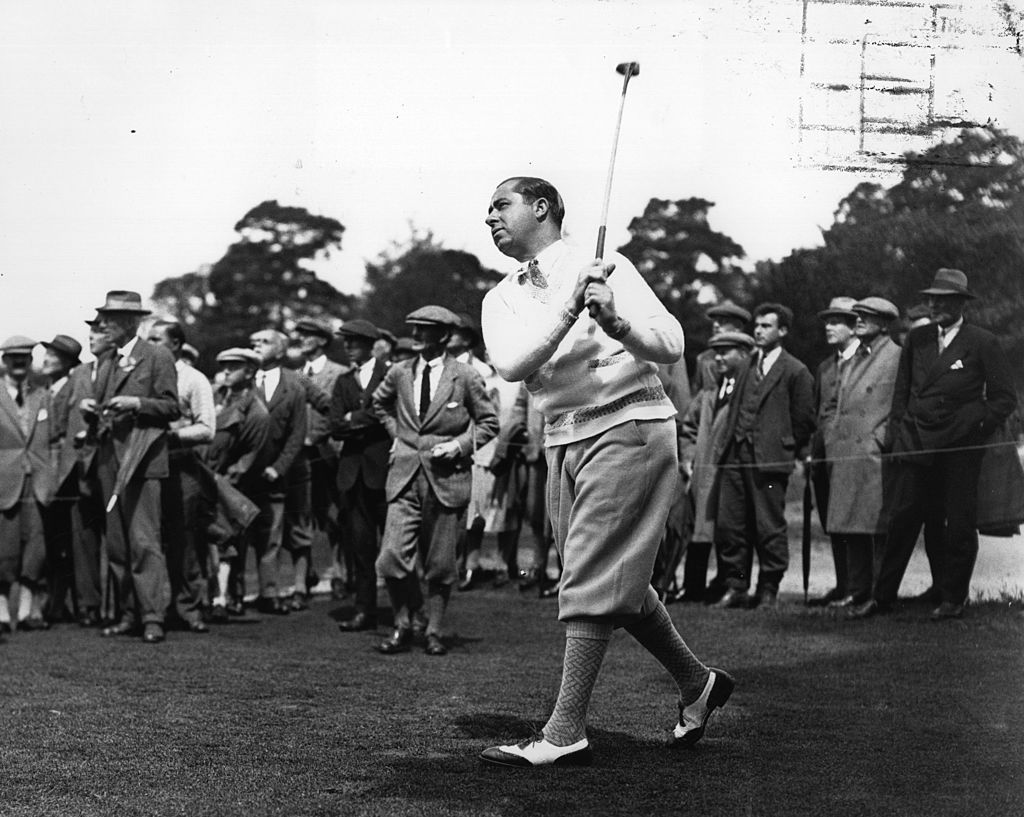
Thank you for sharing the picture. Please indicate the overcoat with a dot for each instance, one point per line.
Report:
(459, 400)
(854, 434)
(703, 440)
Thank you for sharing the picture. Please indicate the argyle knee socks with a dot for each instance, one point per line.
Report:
(585, 645)
(660, 638)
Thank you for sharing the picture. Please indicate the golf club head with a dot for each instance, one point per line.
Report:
(628, 69)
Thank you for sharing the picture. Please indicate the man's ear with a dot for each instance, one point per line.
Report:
(783, 331)
(541, 208)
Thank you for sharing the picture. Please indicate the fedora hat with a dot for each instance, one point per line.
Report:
(66, 346)
(839, 307)
(949, 282)
(123, 300)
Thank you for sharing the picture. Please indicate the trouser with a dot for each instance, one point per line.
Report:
(944, 486)
(22, 544)
(859, 568)
(363, 512)
(59, 532)
(821, 481)
(751, 518)
(137, 562)
(88, 519)
(186, 514)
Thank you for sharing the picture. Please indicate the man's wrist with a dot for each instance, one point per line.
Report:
(618, 329)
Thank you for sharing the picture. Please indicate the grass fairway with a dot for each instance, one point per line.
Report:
(892, 716)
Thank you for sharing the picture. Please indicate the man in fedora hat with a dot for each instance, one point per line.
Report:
(362, 466)
(428, 405)
(26, 483)
(61, 357)
(135, 399)
(839, 320)
(953, 389)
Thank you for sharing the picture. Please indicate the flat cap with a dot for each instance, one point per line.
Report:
(123, 300)
(189, 351)
(727, 309)
(404, 344)
(949, 282)
(237, 354)
(359, 328)
(314, 326)
(388, 336)
(839, 307)
(18, 345)
(724, 339)
(66, 345)
(873, 305)
(432, 316)
(918, 311)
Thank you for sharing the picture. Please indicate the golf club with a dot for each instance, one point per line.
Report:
(627, 69)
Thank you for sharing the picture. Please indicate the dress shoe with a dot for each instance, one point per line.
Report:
(90, 617)
(528, 579)
(549, 592)
(5, 628)
(152, 633)
(930, 596)
(868, 609)
(435, 646)
(271, 606)
(399, 641)
(947, 610)
(835, 594)
(33, 624)
(693, 718)
(358, 622)
(121, 628)
(765, 597)
(219, 614)
(538, 752)
(235, 608)
(297, 602)
(469, 581)
(844, 603)
(500, 579)
(690, 597)
(199, 627)
(734, 600)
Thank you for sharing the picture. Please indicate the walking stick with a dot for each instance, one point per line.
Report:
(806, 543)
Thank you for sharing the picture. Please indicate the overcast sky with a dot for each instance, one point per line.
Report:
(136, 134)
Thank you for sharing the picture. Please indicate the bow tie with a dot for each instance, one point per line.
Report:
(533, 274)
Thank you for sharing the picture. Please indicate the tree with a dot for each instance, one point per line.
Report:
(421, 272)
(262, 280)
(958, 204)
(688, 265)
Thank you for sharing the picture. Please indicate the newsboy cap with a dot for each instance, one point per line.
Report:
(873, 305)
(237, 354)
(839, 307)
(359, 328)
(727, 309)
(315, 326)
(432, 316)
(728, 339)
(123, 300)
(67, 346)
(949, 282)
(404, 344)
(18, 345)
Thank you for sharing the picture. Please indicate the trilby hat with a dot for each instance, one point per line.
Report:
(839, 307)
(123, 300)
(66, 346)
(949, 282)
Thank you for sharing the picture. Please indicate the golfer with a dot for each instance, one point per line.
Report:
(587, 349)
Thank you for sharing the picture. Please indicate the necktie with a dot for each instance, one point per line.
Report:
(425, 391)
(19, 397)
(759, 369)
(261, 382)
(308, 370)
(535, 276)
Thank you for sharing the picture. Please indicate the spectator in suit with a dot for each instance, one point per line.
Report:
(136, 400)
(238, 452)
(321, 454)
(704, 439)
(953, 389)
(384, 347)
(187, 492)
(362, 465)
(724, 317)
(771, 418)
(27, 483)
(610, 443)
(839, 320)
(284, 394)
(428, 405)
(61, 357)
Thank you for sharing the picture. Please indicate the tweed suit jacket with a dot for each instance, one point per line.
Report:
(957, 398)
(318, 423)
(287, 409)
(459, 410)
(148, 374)
(365, 440)
(785, 413)
(22, 454)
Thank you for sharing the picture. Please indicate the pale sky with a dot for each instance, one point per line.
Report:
(135, 134)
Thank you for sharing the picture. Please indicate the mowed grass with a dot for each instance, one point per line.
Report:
(893, 716)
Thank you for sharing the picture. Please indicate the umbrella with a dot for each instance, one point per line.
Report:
(808, 507)
(139, 443)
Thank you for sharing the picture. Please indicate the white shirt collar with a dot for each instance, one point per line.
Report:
(770, 358)
(126, 351)
(316, 365)
(850, 350)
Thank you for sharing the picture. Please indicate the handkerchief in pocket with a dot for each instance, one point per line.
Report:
(958, 364)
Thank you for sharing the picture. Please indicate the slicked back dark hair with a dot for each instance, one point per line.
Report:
(784, 312)
(175, 331)
(531, 188)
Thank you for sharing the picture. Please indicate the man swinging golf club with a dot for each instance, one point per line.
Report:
(611, 452)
